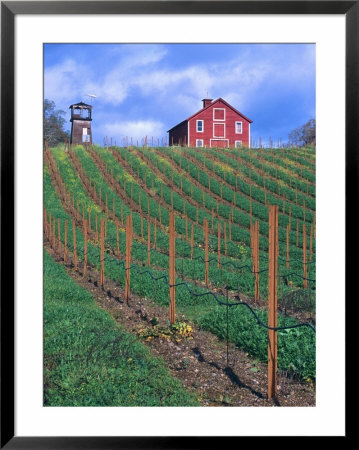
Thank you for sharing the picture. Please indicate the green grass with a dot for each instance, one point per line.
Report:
(89, 360)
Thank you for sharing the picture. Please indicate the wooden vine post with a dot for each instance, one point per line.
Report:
(192, 241)
(59, 236)
(305, 281)
(172, 275)
(89, 220)
(65, 242)
(54, 234)
(155, 235)
(297, 242)
(85, 247)
(219, 245)
(128, 257)
(102, 252)
(287, 259)
(311, 243)
(118, 238)
(148, 243)
(256, 260)
(205, 232)
(74, 242)
(272, 300)
(251, 232)
(225, 238)
(50, 229)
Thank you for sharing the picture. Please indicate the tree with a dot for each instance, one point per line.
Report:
(54, 123)
(304, 135)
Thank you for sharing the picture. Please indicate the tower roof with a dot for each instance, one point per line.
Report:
(80, 105)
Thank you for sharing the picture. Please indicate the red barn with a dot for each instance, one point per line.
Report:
(217, 124)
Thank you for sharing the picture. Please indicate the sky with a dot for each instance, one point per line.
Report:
(145, 89)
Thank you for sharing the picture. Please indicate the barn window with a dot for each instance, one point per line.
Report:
(238, 144)
(199, 142)
(239, 128)
(219, 130)
(219, 114)
(199, 126)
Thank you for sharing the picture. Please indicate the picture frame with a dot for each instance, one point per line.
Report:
(9, 10)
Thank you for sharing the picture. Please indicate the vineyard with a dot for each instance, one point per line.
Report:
(193, 265)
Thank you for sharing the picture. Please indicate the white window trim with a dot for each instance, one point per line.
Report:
(235, 127)
(224, 126)
(197, 130)
(218, 139)
(239, 142)
(199, 140)
(224, 114)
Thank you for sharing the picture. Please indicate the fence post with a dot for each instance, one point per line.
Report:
(311, 243)
(102, 253)
(205, 232)
(74, 242)
(85, 247)
(219, 245)
(172, 277)
(128, 257)
(305, 281)
(272, 300)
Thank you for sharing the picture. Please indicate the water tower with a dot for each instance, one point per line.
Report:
(81, 123)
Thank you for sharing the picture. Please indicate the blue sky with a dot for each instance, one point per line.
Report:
(145, 89)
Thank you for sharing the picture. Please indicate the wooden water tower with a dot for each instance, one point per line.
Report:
(81, 123)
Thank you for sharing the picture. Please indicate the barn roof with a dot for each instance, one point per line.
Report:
(211, 104)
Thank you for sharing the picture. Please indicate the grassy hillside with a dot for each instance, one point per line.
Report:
(90, 361)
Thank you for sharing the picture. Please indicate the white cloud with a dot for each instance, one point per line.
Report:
(134, 129)
(63, 82)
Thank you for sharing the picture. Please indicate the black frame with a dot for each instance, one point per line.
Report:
(8, 11)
